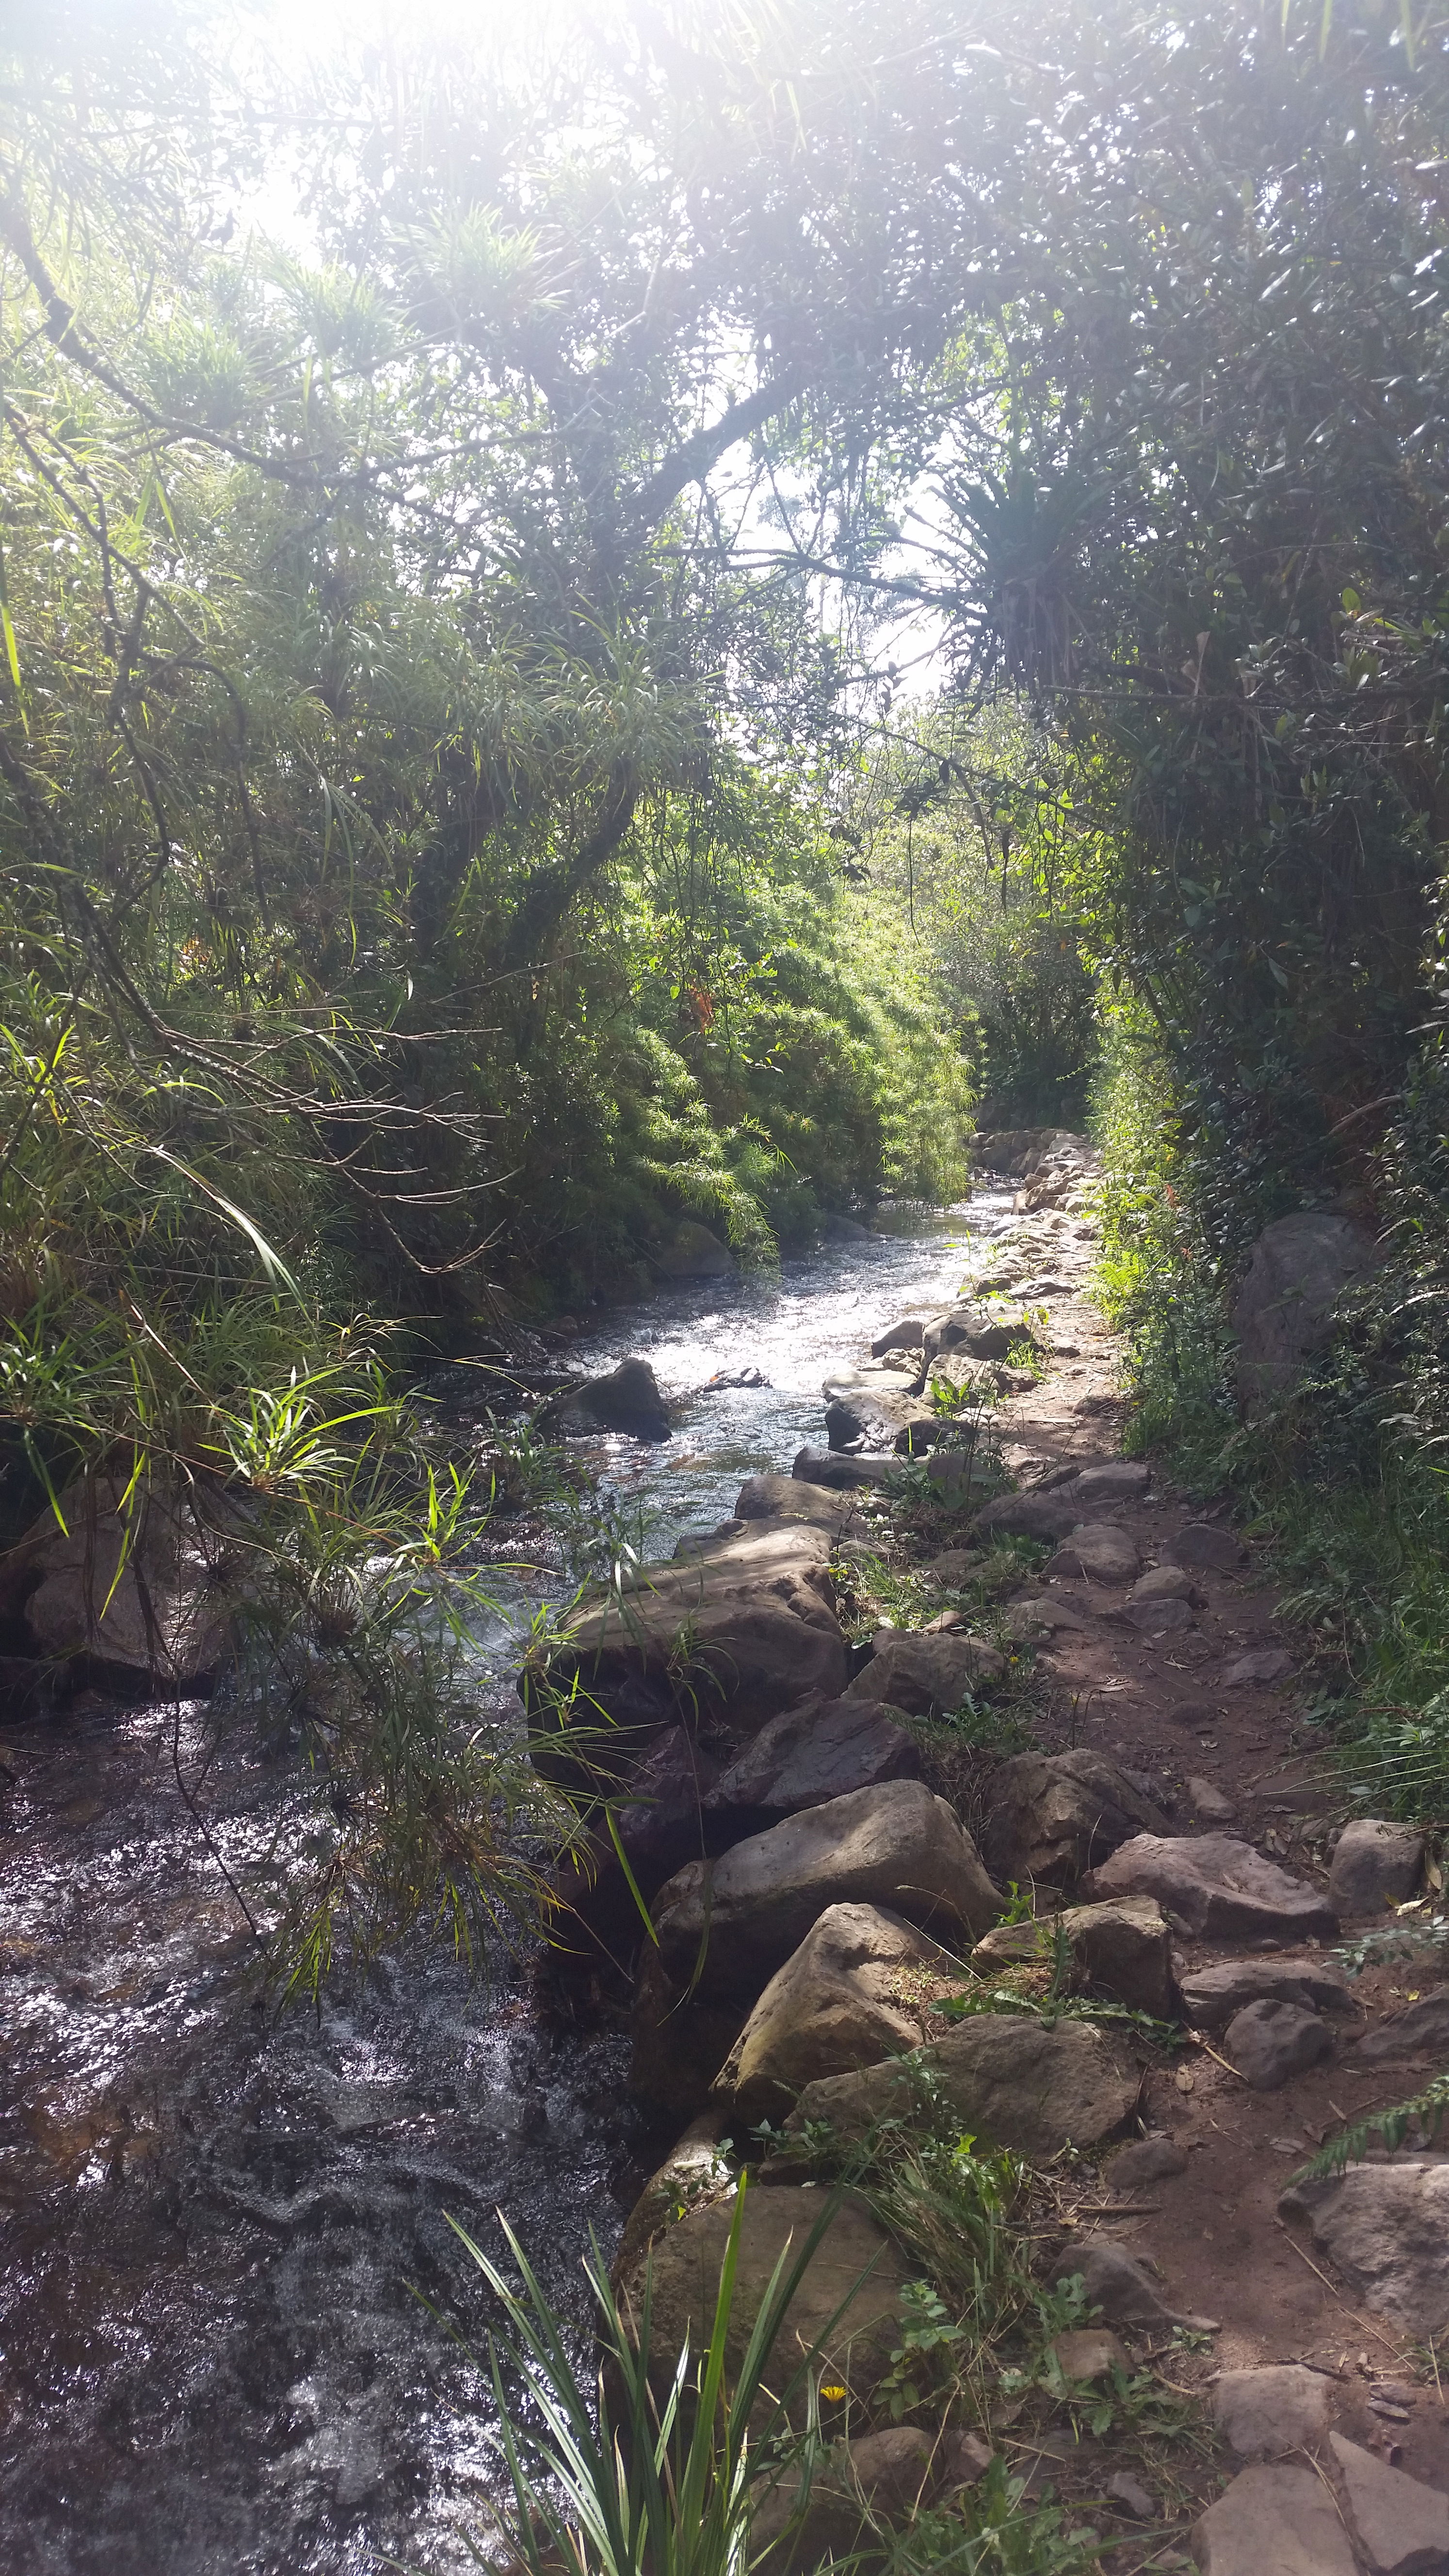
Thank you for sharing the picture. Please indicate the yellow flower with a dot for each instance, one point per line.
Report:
(833, 2392)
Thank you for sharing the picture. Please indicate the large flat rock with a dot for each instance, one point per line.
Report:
(1386, 2227)
(1007, 2078)
(741, 1630)
(1273, 2521)
(1212, 1995)
(1402, 2526)
(1216, 1888)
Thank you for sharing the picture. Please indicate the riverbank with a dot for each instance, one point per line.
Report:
(1232, 2335)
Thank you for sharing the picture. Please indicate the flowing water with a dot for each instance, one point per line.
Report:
(219, 2234)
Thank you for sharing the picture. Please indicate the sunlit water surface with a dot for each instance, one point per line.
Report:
(219, 2233)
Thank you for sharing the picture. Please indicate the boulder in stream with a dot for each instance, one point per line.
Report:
(628, 1399)
(145, 1591)
(724, 1639)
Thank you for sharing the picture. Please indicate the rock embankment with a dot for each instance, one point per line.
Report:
(873, 1908)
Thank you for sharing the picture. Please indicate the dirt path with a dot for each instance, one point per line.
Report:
(1234, 1756)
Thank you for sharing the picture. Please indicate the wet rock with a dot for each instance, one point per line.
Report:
(734, 1635)
(1264, 1668)
(927, 1676)
(1207, 1804)
(1376, 1864)
(855, 2269)
(1216, 1888)
(1263, 2413)
(678, 2042)
(1089, 2352)
(896, 1846)
(693, 2172)
(905, 1336)
(694, 1253)
(1278, 2521)
(1146, 2160)
(1287, 1306)
(1097, 1551)
(150, 1592)
(725, 1379)
(1271, 2041)
(822, 1749)
(1008, 2080)
(854, 1992)
(1054, 1816)
(628, 1399)
(789, 1498)
(841, 1471)
(1211, 1996)
(1123, 1950)
(1203, 1543)
(878, 1410)
(1386, 2227)
(1402, 2526)
(659, 1820)
(843, 1229)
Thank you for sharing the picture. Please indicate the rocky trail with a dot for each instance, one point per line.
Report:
(815, 1900)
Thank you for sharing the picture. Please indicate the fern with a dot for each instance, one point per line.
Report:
(1383, 2128)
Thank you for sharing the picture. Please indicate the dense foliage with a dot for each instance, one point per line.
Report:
(461, 810)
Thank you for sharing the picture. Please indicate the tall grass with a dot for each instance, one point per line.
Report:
(1341, 1486)
(657, 2466)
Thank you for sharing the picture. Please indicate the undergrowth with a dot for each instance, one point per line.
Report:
(1345, 1499)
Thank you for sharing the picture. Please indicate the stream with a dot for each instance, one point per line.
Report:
(219, 2233)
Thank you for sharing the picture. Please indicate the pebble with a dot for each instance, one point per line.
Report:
(1132, 2495)
(1145, 2160)
(1208, 1804)
(1268, 1665)
(1088, 2353)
